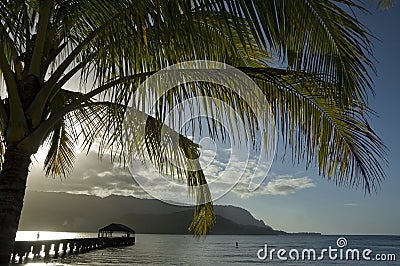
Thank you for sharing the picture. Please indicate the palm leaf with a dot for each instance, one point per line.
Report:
(311, 59)
(60, 157)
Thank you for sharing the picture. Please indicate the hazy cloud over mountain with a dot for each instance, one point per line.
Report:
(102, 178)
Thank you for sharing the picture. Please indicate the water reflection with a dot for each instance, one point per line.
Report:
(49, 235)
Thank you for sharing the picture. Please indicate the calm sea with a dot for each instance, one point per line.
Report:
(222, 250)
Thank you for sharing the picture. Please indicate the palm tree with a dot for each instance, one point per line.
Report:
(319, 92)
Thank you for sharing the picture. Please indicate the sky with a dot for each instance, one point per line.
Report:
(291, 198)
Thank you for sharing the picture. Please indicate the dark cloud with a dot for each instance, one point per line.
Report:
(89, 176)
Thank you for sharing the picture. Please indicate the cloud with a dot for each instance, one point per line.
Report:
(288, 186)
(276, 186)
(89, 176)
(226, 171)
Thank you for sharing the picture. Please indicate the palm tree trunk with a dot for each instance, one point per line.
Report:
(13, 179)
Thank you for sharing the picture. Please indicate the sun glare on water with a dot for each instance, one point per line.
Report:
(44, 235)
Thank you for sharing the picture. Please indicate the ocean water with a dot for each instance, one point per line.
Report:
(152, 249)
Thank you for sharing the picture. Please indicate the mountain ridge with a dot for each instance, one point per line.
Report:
(60, 211)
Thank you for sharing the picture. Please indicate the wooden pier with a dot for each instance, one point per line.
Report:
(24, 250)
(63, 247)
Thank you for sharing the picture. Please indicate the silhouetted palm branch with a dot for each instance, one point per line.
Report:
(311, 59)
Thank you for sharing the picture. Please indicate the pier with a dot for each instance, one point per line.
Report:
(24, 251)
(62, 247)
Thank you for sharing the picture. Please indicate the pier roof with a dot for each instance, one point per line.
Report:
(116, 228)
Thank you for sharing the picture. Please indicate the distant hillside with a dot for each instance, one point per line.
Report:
(84, 213)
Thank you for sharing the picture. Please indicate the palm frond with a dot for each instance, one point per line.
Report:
(311, 59)
(338, 141)
(61, 139)
(60, 157)
(174, 155)
(101, 123)
(386, 4)
(336, 138)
